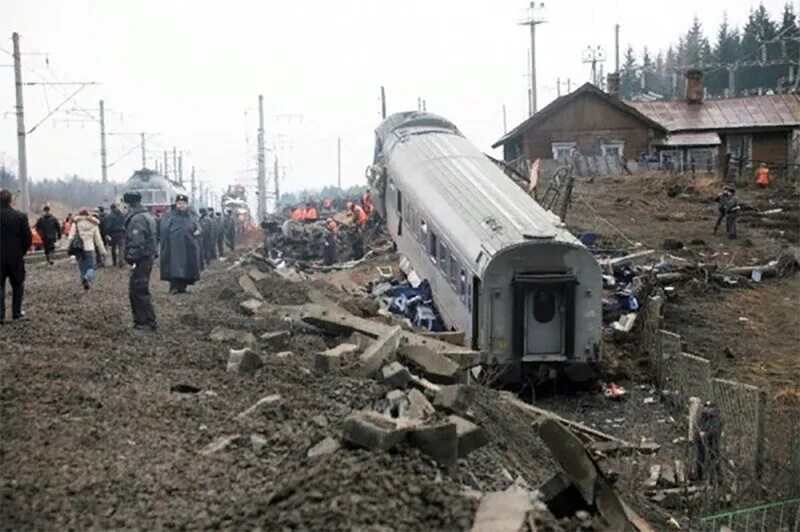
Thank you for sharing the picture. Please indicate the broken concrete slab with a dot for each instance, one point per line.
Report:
(219, 444)
(470, 436)
(381, 351)
(396, 375)
(439, 441)
(434, 366)
(455, 398)
(275, 337)
(327, 446)
(258, 442)
(256, 274)
(269, 399)
(223, 334)
(361, 340)
(503, 511)
(247, 284)
(570, 453)
(373, 431)
(398, 404)
(451, 337)
(291, 274)
(331, 359)
(251, 307)
(243, 361)
(419, 407)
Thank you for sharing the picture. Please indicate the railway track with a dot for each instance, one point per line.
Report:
(38, 257)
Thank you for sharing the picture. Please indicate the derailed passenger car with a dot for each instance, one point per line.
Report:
(504, 270)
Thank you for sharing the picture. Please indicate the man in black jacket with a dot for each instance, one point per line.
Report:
(220, 234)
(207, 238)
(16, 237)
(113, 227)
(140, 252)
(50, 230)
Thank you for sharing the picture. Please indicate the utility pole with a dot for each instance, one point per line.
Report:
(103, 160)
(616, 48)
(277, 186)
(383, 103)
(22, 154)
(424, 105)
(200, 195)
(569, 85)
(262, 177)
(533, 21)
(593, 55)
(164, 169)
(339, 163)
(194, 186)
(180, 168)
(144, 152)
(419, 103)
(505, 125)
(174, 163)
(558, 87)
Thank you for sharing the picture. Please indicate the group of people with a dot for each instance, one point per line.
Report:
(184, 242)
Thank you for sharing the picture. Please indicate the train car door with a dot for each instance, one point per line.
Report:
(544, 321)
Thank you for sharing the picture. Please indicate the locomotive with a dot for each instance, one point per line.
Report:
(158, 192)
(502, 269)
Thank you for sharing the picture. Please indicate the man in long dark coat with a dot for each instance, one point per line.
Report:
(180, 246)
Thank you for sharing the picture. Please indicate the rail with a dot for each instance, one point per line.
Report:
(777, 516)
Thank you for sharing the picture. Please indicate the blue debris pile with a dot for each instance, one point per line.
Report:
(415, 303)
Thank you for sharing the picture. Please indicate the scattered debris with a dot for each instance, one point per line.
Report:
(380, 351)
(327, 446)
(419, 406)
(246, 283)
(372, 430)
(184, 388)
(243, 361)
(470, 435)
(396, 375)
(267, 400)
(223, 334)
(330, 359)
(251, 306)
(438, 440)
(434, 366)
(504, 511)
(258, 442)
(219, 444)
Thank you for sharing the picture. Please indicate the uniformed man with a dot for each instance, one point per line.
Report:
(220, 234)
(140, 252)
(229, 228)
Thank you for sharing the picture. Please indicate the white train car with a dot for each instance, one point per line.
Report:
(503, 269)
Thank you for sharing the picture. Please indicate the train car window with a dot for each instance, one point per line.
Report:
(423, 227)
(443, 254)
(544, 306)
(399, 201)
(462, 287)
(432, 246)
(453, 271)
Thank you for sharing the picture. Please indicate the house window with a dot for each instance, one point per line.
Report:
(562, 150)
(612, 148)
(701, 159)
(740, 148)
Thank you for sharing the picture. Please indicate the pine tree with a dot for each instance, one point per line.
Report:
(696, 48)
(759, 28)
(630, 81)
(726, 49)
(789, 22)
(659, 64)
(647, 61)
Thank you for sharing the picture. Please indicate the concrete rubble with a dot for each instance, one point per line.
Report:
(505, 511)
(243, 361)
(372, 430)
(223, 334)
(327, 446)
(331, 359)
(396, 375)
(250, 307)
(247, 284)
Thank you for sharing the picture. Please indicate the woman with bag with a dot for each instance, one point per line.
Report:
(84, 239)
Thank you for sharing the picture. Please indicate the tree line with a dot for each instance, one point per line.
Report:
(759, 55)
(71, 191)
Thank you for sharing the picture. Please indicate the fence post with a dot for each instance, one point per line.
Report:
(761, 402)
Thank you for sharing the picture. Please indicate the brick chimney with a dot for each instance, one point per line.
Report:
(613, 85)
(694, 86)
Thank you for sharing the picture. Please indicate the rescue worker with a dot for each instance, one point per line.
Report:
(298, 214)
(180, 246)
(229, 228)
(329, 249)
(310, 214)
(220, 234)
(207, 236)
(762, 176)
(366, 201)
(50, 231)
(87, 227)
(67, 225)
(140, 252)
(728, 210)
(357, 214)
(327, 204)
(707, 464)
(113, 226)
(15, 233)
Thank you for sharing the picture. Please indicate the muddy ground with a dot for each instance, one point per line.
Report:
(98, 431)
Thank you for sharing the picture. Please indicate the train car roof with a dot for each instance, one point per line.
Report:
(150, 179)
(464, 193)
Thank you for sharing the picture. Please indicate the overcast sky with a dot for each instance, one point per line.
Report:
(191, 71)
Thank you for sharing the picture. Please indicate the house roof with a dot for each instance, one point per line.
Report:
(559, 103)
(773, 110)
(705, 138)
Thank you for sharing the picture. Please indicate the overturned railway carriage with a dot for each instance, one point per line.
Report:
(502, 269)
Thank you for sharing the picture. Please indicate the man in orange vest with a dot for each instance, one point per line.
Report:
(366, 201)
(311, 214)
(298, 214)
(762, 176)
(357, 214)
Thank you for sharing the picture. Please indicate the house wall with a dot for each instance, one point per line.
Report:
(772, 147)
(588, 121)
